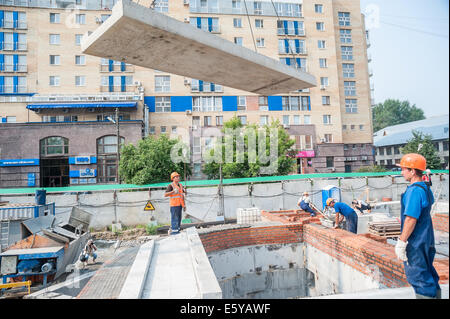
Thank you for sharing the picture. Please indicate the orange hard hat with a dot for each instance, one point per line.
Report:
(413, 160)
(329, 201)
(173, 175)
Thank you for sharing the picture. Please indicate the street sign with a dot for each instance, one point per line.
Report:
(149, 206)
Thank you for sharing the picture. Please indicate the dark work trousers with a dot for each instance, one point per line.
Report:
(175, 214)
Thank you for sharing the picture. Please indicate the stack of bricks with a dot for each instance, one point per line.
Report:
(440, 222)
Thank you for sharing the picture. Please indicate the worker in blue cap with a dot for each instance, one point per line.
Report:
(415, 246)
(346, 211)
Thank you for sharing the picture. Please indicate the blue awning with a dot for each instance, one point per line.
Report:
(37, 106)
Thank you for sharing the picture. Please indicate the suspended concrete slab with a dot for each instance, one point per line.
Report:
(141, 36)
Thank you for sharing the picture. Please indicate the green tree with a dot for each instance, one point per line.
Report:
(427, 149)
(150, 161)
(246, 167)
(393, 112)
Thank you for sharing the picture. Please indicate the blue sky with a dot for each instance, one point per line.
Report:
(410, 51)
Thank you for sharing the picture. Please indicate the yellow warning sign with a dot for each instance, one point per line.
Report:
(149, 206)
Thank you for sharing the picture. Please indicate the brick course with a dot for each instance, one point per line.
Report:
(440, 222)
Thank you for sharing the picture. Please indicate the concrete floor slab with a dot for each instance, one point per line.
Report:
(141, 36)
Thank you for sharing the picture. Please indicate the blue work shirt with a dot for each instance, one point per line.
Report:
(343, 209)
(415, 203)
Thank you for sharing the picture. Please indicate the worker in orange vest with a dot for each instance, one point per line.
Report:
(176, 193)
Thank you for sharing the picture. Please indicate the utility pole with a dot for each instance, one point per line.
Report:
(118, 145)
(221, 202)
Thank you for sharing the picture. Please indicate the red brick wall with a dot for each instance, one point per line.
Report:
(366, 253)
(440, 222)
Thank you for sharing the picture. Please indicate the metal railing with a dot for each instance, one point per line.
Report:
(13, 89)
(117, 88)
(116, 68)
(111, 96)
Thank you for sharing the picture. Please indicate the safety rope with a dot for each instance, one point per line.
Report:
(250, 24)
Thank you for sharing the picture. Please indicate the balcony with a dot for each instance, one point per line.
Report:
(290, 31)
(117, 88)
(13, 68)
(116, 68)
(13, 89)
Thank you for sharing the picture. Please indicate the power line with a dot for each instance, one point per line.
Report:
(416, 30)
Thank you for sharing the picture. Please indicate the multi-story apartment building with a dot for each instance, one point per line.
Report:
(389, 140)
(55, 101)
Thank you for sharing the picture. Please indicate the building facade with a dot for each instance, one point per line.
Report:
(48, 84)
(391, 139)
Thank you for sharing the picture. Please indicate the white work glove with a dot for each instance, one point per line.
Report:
(400, 250)
(175, 190)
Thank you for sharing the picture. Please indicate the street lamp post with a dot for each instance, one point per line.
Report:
(116, 121)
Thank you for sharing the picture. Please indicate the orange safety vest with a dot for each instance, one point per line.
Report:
(177, 199)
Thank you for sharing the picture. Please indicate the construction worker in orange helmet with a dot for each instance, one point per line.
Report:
(176, 193)
(415, 246)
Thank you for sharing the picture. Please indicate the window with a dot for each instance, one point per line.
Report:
(80, 80)
(328, 138)
(318, 8)
(264, 120)
(361, 127)
(243, 119)
(219, 120)
(163, 129)
(326, 119)
(298, 63)
(80, 59)
(206, 24)
(152, 130)
(396, 150)
(263, 103)
(324, 81)
(241, 105)
(445, 146)
(174, 130)
(296, 119)
(296, 103)
(348, 70)
(206, 103)
(344, 127)
(237, 23)
(54, 60)
(389, 162)
(285, 119)
(238, 40)
(257, 6)
(236, 4)
(162, 5)
(321, 44)
(323, 63)
(162, 83)
(320, 26)
(54, 17)
(54, 80)
(196, 145)
(54, 39)
(290, 27)
(352, 127)
(259, 23)
(350, 88)
(207, 121)
(351, 106)
(347, 53)
(345, 35)
(208, 144)
(162, 104)
(330, 161)
(344, 19)
(325, 100)
(306, 119)
(196, 120)
(381, 151)
(78, 39)
(104, 17)
(388, 150)
(11, 119)
(291, 46)
(107, 158)
(55, 145)
(80, 18)
(260, 42)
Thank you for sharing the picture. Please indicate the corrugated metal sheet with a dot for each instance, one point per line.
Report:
(17, 213)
